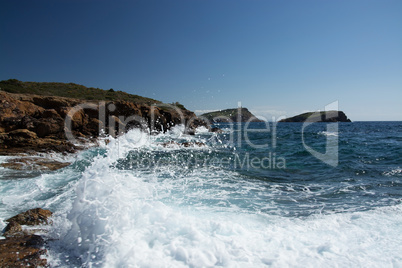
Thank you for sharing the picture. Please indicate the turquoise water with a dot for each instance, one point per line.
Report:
(252, 196)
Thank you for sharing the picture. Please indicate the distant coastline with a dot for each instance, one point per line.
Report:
(231, 115)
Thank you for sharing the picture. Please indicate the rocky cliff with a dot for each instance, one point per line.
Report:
(327, 116)
(231, 115)
(31, 122)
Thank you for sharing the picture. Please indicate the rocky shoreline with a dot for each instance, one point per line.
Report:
(23, 247)
(33, 124)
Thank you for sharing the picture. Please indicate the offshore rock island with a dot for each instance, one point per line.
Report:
(231, 115)
(327, 116)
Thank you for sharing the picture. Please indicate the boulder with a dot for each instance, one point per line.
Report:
(22, 251)
(193, 144)
(216, 130)
(50, 113)
(34, 216)
(13, 228)
(20, 248)
(48, 127)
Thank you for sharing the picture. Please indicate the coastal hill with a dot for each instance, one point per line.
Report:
(231, 115)
(33, 115)
(326, 116)
(71, 90)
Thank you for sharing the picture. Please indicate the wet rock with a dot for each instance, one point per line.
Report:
(21, 248)
(34, 163)
(26, 142)
(193, 144)
(13, 228)
(173, 144)
(34, 216)
(170, 144)
(189, 131)
(216, 130)
(22, 251)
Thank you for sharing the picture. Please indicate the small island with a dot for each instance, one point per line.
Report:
(326, 116)
(231, 115)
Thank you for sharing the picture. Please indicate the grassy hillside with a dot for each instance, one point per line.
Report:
(70, 90)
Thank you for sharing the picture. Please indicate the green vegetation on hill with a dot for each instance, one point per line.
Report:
(70, 90)
(323, 116)
(231, 115)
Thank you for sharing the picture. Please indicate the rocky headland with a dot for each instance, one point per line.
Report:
(35, 117)
(326, 116)
(230, 115)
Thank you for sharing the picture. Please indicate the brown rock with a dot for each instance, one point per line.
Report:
(22, 251)
(33, 163)
(170, 144)
(50, 113)
(193, 144)
(11, 107)
(48, 102)
(47, 127)
(34, 216)
(80, 119)
(92, 127)
(23, 134)
(12, 228)
(38, 121)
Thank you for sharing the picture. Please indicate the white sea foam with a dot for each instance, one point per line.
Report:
(396, 171)
(4, 158)
(328, 133)
(202, 130)
(175, 217)
(136, 219)
(121, 222)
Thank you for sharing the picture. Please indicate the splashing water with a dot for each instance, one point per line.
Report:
(136, 202)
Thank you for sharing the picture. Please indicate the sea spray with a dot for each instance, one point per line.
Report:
(100, 195)
(111, 213)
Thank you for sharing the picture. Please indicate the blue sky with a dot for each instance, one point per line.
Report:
(279, 58)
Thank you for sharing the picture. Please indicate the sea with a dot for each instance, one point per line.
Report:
(253, 195)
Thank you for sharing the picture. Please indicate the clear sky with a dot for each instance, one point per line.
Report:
(276, 57)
